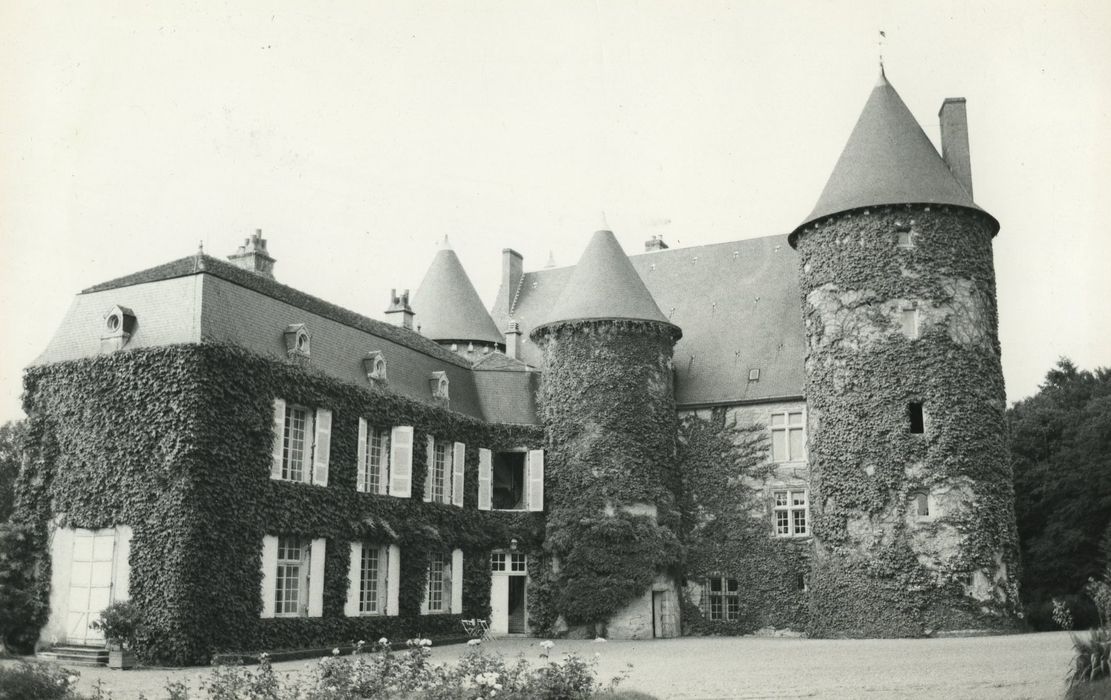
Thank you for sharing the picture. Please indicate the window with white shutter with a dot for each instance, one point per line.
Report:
(458, 461)
(401, 461)
(484, 475)
(536, 480)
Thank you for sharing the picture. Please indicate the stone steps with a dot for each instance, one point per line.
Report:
(73, 655)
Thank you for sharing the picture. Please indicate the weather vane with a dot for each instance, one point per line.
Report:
(883, 36)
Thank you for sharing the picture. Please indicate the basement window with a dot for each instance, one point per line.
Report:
(917, 421)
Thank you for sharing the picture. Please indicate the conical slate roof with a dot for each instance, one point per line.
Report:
(604, 285)
(888, 160)
(446, 305)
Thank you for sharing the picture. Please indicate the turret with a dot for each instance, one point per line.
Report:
(449, 310)
(914, 529)
(609, 412)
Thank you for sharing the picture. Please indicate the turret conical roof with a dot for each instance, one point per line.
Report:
(604, 285)
(447, 306)
(888, 160)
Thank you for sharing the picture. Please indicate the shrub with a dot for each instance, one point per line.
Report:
(119, 622)
(35, 680)
(1093, 657)
(22, 571)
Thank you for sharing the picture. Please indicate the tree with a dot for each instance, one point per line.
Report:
(1061, 450)
(11, 451)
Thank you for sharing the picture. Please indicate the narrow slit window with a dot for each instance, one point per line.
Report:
(917, 423)
(923, 504)
(908, 319)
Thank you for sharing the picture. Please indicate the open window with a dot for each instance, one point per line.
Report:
(511, 480)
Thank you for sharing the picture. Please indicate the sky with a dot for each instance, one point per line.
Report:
(358, 134)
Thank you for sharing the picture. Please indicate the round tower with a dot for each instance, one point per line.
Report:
(607, 404)
(914, 529)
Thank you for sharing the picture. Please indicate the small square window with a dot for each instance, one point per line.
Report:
(917, 420)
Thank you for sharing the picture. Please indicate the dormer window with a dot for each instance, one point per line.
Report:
(298, 343)
(439, 385)
(119, 324)
(374, 364)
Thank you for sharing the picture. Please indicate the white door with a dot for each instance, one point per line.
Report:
(499, 604)
(90, 583)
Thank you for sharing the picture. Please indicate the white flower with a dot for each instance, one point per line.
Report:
(547, 644)
(426, 642)
(474, 642)
(361, 642)
(599, 639)
(335, 652)
(383, 641)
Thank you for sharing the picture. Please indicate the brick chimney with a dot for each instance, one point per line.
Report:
(512, 339)
(654, 243)
(253, 256)
(954, 140)
(400, 313)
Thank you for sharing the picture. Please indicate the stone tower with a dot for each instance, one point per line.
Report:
(608, 407)
(914, 529)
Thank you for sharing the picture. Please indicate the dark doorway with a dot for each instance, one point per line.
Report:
(517, 604)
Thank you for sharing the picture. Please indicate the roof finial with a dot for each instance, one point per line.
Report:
(445, 244)
(200, 247)
(883, 37)
(603, 224)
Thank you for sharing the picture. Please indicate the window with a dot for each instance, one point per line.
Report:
(917, 420)
(372, 579)
(904, 236)
(791, 512)
(908, 321)
(292, 576)
(720, 599)
(439, 471)
(292, 586)
(434, 595)
(511, 562)
(788, 436)
(512, 480)
(923, 506)
(302, 443)
(374, 455)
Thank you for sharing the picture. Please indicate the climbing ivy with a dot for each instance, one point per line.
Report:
(607, 404)
(176, 442)
(877, 571)
(728, 531)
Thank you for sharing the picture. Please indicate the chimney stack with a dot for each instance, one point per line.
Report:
(512, 270)
(512, 339)
(654, 243)
(400, 313)
(253, 256)
(954, 140)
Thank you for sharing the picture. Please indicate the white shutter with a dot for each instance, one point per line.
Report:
(323, 449)
(269, 573)
(383, 470)
(401, 461)
(458, 460)
(485, 470)
(354, 578)
(316, 578)
(278, 445)
(536, 480)
(430, 452)
(456, 581)
(393, 578)
(360, 457)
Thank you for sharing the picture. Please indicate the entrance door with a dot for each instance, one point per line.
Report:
(499, 604)
(517, 604)
(663, 615)
(90, 583)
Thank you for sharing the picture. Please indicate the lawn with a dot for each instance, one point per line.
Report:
(1016, 666)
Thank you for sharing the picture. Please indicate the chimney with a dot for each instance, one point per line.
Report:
(954, 140)
(400, 313)
(253, 256)
(512, 270)
(512, 339)
(654, 243)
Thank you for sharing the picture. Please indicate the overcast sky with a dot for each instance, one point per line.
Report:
(357, 134)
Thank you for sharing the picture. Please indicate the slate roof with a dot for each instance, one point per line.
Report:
(604, 285)
(195, 264)
(888, 159)
(447, 307)
(737, 304)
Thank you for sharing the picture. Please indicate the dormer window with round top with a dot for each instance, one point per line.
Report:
(298, 342)
(119, 325)
(439, 385)
(374, 365)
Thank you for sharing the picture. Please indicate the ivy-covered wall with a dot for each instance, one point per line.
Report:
(606, 401)
(727, 527)
(879, 569)
(176, 442)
